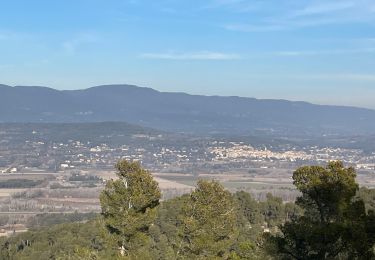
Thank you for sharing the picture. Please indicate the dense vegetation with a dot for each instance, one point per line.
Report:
(332, 219)
(46, 219)
(334, 224)
(84, 178)
(19, 183)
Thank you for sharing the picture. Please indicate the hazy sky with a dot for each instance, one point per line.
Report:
(320, 51)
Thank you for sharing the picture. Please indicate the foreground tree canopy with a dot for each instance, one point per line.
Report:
(208, 227)
(129, 207)
(334, 224)
(332, 219)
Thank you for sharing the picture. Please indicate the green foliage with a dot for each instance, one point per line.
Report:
(19, 183)
(368, 197)
(169, 221)
(331, 219)
(270, 213)
(65, 241)
(256, 217)
(84, 178)
(334, 226)
(249, 208)
(129, 207)
(45, 219)
(326, 192)
(209, 225)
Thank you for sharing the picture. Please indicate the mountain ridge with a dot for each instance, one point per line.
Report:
(181, 112)
(122, 86)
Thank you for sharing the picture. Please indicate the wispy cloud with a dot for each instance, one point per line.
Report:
(204, 55)
(323, 8)
(71, 46)
(12, 35)
(302, 14)
(324, 52)
(253, 28)
(239, 6)
(336, 77)
(169, 10)
(279, 24)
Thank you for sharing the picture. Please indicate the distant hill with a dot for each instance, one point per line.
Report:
(111, 133)
(180, 112)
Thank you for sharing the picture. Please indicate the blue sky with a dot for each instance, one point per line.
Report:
(321, 51)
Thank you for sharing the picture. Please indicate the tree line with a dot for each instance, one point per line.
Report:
(331, 219)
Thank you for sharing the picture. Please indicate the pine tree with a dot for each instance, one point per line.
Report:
(209, 225)
(129, 208)
(334, 224)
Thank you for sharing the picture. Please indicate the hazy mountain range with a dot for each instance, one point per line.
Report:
(180, 112)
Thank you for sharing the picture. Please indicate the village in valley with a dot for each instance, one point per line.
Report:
(42, 174)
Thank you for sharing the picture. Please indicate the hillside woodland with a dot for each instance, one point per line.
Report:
(331, 219)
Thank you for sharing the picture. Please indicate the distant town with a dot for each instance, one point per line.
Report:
(157, 154)
(62, 168)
